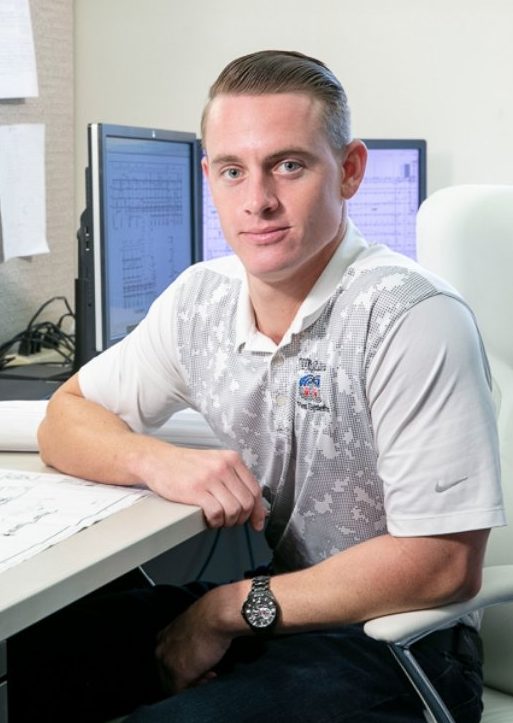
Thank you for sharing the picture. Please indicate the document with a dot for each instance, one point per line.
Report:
(22, 190)
(20, 419)
(39, 509)
(18, 75)
(19, 422)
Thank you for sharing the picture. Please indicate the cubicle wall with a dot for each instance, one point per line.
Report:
(26, 283)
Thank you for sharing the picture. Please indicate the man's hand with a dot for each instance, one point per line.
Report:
(190, 647)
(100, 446)
(216, 480)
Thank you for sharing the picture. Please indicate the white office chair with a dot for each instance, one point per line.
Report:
(465, 234)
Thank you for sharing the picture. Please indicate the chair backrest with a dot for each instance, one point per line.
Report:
(465, 234)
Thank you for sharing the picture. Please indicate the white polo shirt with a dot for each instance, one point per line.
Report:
(373, 414)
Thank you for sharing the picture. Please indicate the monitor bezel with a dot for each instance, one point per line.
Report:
(93, 253)
(418, 144)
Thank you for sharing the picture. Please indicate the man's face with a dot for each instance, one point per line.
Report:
(276, 183)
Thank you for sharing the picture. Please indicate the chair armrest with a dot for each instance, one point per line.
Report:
(405, 628)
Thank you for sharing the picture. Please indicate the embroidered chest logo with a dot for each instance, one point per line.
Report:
(309, 385)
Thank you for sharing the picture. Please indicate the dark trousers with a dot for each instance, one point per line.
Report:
(95, 661)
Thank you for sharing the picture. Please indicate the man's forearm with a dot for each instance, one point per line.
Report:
(84, 439)
(81, 438)
(378, 577)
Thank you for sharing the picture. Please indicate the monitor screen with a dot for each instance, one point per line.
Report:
(384, 209)
(139, 230)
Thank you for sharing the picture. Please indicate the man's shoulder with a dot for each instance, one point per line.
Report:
(386, 270)
(222, 271)
(207, 284)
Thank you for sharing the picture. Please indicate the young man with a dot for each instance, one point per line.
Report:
(352, 394)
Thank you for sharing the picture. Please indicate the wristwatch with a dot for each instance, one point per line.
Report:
(260, 609)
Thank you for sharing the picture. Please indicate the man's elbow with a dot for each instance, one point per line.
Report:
(45, 437)
(456, 575)
(43, 441)
(466, 572)
(469, 584)
(51, 431)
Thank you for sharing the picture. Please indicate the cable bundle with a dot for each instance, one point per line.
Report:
(42, 335)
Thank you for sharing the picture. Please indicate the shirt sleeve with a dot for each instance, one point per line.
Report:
(140, 378)
(429, 390)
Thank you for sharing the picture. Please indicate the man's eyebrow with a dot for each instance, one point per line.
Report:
(268, 160)
(219, 160)
(294, 152)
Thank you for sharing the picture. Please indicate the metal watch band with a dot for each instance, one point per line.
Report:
(261, 583)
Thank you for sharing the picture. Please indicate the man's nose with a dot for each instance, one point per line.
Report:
(260, 195)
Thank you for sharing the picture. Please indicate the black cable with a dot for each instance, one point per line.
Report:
(250, 547)
(44, 334)
(6, 346)
(213, 547)
(47, 303)
(210, 555)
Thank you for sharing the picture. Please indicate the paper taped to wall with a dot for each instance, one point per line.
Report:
(18, 76)
(22, 190)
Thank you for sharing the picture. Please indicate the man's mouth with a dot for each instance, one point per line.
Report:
(265, 235)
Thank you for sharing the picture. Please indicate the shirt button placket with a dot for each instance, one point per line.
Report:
(279, 393)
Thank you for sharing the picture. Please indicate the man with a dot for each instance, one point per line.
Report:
(352, 395)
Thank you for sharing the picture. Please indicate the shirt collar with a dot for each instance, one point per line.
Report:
(246, 332)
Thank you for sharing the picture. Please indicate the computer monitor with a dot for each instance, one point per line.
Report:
(139, 231)
(384, 209)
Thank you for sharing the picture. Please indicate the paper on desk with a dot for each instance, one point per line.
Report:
(19, 421)
(187, 428)
(22, 190)
(18, 77)
(38, 510)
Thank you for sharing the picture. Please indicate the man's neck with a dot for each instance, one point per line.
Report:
(274, 309)
(276, 301)
(275, 305)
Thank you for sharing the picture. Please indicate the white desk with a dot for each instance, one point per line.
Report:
(74, 567)
(84, 562)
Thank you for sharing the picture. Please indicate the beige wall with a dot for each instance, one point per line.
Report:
(441, 70)
(26, 283)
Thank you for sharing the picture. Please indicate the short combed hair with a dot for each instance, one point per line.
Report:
(284, 71)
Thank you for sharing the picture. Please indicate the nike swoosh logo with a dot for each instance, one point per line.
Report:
(444, 486)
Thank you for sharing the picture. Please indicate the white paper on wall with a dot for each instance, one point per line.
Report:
(18, 75)
(22, 190)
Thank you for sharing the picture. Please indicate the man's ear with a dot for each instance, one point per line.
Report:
(204, 166)
(353, 168)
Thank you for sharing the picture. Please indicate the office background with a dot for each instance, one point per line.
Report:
(27, 283)
(439, 70)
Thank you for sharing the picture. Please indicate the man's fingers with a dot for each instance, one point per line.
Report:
(218, 481)
(212, 510)
(258, 516)
(247, 477)
(211, 675)
(232, 494)
(224, 506)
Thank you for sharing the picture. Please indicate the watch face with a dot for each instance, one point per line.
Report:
(260, 611)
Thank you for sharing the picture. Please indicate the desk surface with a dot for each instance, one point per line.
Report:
(84, 562)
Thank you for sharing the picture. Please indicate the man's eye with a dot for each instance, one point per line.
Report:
(231, 173)
(289, 166)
